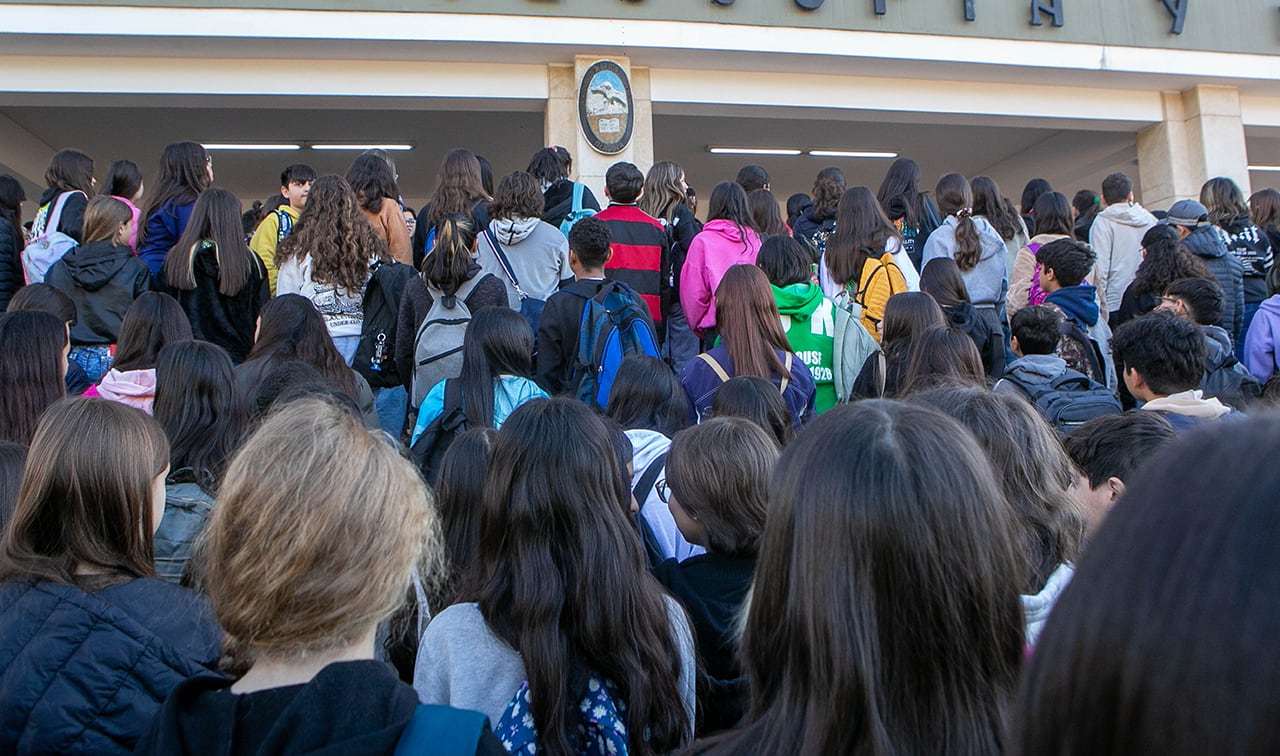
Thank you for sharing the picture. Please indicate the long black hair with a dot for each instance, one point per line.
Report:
(646, 394)
(151, 323)
(31, 372)
(291, 329)
(184, 173)
(560, 577)
(372, 179)
(729, 202)
(215, 218)
(902, 183)
(497, 342)
(195, 404)
(12, 196)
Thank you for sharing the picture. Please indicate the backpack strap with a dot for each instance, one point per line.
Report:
(715, 366)
(55, 215)
(284, 225)
(578, 190)
(786, 377)
(503, 261)
(650, 478)
(452, 416)
(442, 730)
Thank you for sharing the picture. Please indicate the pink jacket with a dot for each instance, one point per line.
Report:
(134, 388)
(711, 253)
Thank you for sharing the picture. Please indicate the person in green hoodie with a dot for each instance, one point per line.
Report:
(808, 317)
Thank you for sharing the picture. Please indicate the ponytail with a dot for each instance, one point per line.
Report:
(955, 197)
(447, 264)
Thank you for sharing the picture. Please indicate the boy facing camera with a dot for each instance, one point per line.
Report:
(295, 185)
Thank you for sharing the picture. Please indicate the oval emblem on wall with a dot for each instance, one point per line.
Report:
(605, 107)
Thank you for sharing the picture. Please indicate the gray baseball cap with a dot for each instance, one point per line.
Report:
(1188, 213)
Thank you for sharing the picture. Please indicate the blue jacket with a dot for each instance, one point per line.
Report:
(164, 226)
(86, 672)
(701, 384)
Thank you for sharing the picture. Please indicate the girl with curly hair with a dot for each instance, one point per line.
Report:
(1163, 262)
(327, 257)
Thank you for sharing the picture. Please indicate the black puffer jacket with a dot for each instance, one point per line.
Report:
(1206, 242)
(103, 280)
(11, 278)
(85, 673)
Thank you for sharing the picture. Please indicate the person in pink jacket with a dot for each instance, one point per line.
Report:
(726, 240)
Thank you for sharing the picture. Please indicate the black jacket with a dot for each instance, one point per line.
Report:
(86, 672)
(103, 280)
(683, 227)
(558, 201)
(1208, 244)
(357, 707)
(11, 277)
(228, 321)
(965, 317)
(72, 221)
(713, 589)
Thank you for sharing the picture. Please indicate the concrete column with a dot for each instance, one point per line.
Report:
(562, 125)
(1202, 136)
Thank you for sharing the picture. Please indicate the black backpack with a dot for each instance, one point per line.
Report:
(1229, 382)
(375, 355)
(429, 449)
(1069, 400)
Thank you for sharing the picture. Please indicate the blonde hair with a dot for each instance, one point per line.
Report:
(103, 218)
(307, 555)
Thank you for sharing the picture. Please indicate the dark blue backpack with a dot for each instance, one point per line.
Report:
(614, 324)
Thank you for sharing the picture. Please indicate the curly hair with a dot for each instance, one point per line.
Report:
(336, 234)
(1165, 261)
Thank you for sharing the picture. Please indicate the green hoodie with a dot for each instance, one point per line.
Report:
(809, 320)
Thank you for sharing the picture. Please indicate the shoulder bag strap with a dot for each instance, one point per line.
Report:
(882, 373)
(55, 215)
(503, 261)
(786, 377)
(649, 479)
(715, 366)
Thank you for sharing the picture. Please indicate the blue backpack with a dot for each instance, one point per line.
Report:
(599, 731)
(614, 325)
(576, 211)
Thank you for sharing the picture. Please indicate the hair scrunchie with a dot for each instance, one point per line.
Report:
(965, 212)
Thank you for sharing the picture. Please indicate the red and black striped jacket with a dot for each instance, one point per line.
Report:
(641, 257)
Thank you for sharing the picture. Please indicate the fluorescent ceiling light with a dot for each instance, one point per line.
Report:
(253, 146)
(852, 154)
(752, 151)
(1275, 168)
(363, 147)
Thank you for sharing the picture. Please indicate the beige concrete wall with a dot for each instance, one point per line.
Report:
(1201, 137)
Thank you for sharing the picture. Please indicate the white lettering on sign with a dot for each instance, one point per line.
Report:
(610, 125)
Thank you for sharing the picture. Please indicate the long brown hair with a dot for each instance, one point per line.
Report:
(86, 494)
(749, 323)
(862, 230)
(215, 219)
(458, 186)
(941, 356)
(884, 616)
(828, 188)
(662, 190)
(184, 174)
(32, 371)
(955, 197)
(560, 576)
(1223, 199)
(1264, 209)
(310, 554)
(335, 232)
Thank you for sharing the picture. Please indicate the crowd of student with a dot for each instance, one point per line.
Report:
(892, 471)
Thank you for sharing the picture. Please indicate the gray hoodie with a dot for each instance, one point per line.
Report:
(1031, 369)
(1116, 237)
(537, 251)
(988, 281)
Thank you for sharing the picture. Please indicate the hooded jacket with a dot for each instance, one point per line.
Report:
(966, 318)
(1024, 271)
(322, 716)
(228, 320)
(1261, 355)
(1187, 410)
(1116, 237)
(1030, 370)
(1206, 242)
(538, 254)
(988, 281)
(809, 320)
(647, 446)
(720, 245)
(134, 388)
(1080, 305)
(102, 279)
(84, 672)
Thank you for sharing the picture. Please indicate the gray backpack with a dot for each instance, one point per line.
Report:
(437, 349)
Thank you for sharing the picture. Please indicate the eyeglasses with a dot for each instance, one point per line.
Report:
(1168, 300)
(664, 491)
